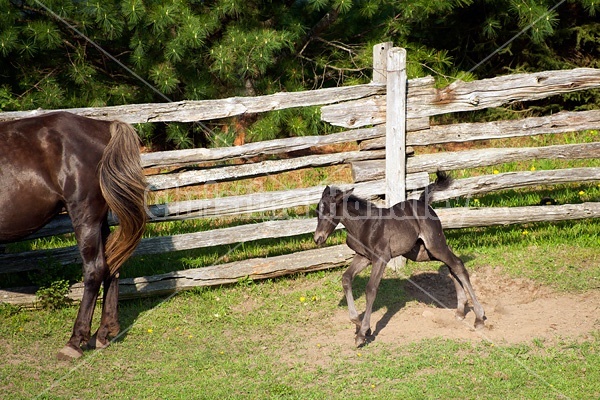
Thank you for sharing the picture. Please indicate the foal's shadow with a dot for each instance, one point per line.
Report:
(431, 288)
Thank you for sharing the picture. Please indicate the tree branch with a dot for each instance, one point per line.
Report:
(321, 26)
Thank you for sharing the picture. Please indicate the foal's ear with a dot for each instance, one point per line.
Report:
(343, 194)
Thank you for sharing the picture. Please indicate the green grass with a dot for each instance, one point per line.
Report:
(275, 339)
(271, 340)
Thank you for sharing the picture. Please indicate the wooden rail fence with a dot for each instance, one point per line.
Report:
(387, 121)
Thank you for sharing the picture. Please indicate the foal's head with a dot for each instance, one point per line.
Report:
(329, 212)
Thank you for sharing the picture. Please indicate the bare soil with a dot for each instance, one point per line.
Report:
(517, 310)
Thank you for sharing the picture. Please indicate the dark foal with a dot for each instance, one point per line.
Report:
(410, 229)
(62, 161)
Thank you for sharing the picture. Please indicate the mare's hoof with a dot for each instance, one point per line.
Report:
(68, 353)
(479, 324)
(94, 344)
(459, 315)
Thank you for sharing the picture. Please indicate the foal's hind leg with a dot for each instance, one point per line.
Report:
(358, 264)
(462, 281)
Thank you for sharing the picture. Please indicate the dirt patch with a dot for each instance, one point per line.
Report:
(517, 310)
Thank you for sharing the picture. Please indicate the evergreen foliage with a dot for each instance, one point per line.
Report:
(192, 49)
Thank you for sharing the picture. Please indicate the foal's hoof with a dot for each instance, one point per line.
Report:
(459, 315)
(94, 343)
(69, 353)
(360, 341)
(479, 324)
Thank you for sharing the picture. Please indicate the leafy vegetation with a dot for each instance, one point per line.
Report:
(140, 51)
(269, 339)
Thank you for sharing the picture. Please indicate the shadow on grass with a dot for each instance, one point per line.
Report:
(131, 309)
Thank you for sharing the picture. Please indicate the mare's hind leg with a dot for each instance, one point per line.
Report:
(358, 264)
(89, 239)
(109, 322)
(440, 250)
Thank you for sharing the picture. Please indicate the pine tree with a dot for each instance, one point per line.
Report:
(192, 49)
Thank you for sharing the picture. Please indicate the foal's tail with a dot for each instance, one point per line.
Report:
(123, 184)
(442, 182)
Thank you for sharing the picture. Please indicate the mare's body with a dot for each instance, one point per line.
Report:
(61, 161)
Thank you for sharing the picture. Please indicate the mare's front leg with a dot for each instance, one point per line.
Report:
(371, 292)
(95, 270)
(358, 264)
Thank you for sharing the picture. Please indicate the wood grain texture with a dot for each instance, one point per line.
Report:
(204, 110)
(448, 161)
(516, 180)
(251, 170)
(562, 122)
(255, 269)
(372, 110)
(395, 145)
(424, 100)
(250, 150)
(454, 218)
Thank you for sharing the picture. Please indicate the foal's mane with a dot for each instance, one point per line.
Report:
(361, 206)
(362, 203)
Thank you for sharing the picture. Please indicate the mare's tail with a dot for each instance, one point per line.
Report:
(442, 182)
(123, 184)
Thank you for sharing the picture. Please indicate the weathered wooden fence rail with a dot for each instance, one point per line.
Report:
(361, 109)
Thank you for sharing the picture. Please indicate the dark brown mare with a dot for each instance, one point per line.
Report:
(410, 229)
(62, 161)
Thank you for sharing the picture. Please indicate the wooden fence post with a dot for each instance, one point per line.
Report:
(380, 52)
(395, 120)
(395, 142)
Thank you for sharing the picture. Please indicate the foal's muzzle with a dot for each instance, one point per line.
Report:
(319, 238)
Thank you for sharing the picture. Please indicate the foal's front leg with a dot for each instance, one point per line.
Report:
(371, 293)
(358, 264)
